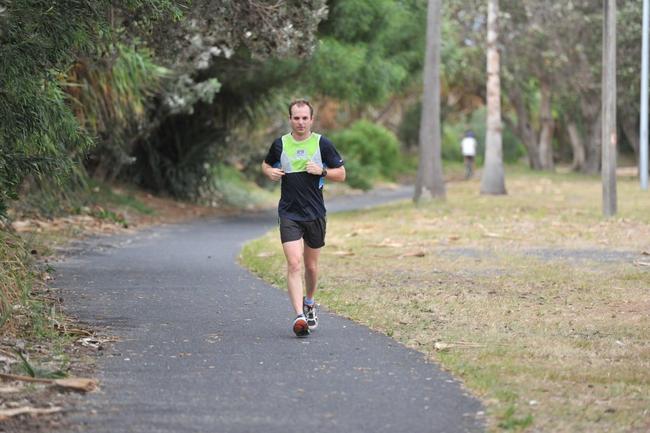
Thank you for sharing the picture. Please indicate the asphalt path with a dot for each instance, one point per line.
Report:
(204, 346)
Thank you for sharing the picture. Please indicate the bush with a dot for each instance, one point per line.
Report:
(359, 176)
(370, 151)
(227, 185)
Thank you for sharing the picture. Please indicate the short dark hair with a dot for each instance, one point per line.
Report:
(300, 102)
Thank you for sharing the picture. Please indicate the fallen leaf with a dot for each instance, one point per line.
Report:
(454, 237)
(388, 243)
(21, 225)
(414, 254)
(342, 253)
(265, 254)
(440, 346)
(9, 389)
(89, 342)
(640, 263)
(491, 235)
(645, 253)
(8, 413)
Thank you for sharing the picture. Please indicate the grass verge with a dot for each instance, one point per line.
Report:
(533, 299)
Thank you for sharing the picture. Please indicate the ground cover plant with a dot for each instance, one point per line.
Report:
(533, 299)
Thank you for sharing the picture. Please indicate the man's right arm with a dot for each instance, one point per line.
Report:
(274, 174)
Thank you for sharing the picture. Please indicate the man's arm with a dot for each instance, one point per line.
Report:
(274, 174)
(333, 174)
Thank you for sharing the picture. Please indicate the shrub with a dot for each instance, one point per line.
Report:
(372, 149)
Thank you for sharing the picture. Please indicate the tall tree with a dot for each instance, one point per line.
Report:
(430, 180)
(492, 180)
(609, 139)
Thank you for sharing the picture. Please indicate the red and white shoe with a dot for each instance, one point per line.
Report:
(300, 326)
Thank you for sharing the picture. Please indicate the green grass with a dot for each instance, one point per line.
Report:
(549, 343)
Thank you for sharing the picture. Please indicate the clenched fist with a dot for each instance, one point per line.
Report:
(275, 174)
(313, 168)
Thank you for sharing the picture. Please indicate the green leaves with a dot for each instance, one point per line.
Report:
(368, 50)
(39, 42)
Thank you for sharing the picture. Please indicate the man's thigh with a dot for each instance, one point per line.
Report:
(290, 230)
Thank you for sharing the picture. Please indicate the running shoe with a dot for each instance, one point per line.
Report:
(300, 326)
(310, 314)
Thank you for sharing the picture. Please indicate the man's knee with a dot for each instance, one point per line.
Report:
(294, 265)
(311, 267)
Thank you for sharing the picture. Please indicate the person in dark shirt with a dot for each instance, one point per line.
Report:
(302, 160)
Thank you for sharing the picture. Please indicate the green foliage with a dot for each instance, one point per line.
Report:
(368, 50)
(453, 132)
(38, 43)
(32, 371)
(369, 151)
(509, 420)
(229, 186)
(112, 96)
(16, 274)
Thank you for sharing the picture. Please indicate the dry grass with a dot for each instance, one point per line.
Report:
(539, 304)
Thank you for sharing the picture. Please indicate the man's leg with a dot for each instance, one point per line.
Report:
(293, 251)
(311, 256)
(311, 280)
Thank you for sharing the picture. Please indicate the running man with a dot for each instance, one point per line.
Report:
(302, 159)
(468, 147)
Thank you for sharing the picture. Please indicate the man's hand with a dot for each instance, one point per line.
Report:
(275, 174)
(313, 168)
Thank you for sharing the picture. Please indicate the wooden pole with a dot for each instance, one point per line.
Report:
(609, 137)
(643, 147)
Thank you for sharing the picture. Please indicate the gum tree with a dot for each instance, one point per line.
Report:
(430, 179)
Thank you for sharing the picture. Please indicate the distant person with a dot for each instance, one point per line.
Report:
(468, 146)
(302, 159)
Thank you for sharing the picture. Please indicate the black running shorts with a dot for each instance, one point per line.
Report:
(313, 232)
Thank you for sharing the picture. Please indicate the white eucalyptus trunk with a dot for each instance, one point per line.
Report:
(492, 180)
(547, 128)
(430, 181)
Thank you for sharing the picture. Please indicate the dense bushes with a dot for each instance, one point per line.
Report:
(39, 42)
(370, 151)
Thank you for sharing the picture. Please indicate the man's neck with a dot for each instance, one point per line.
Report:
(301, 137)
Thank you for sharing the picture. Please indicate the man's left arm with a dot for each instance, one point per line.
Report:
(333, 162)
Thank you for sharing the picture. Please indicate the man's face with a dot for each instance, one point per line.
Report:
(301, 120)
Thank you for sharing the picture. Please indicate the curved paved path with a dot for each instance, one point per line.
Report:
(207, 347)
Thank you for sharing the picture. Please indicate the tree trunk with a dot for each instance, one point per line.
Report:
(492, 181)
(547, 127)
(523, 129)
(577, 146)
(593, 146)
(430, 181)
(631, 131)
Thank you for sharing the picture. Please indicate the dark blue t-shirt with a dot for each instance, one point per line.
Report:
(301, 197)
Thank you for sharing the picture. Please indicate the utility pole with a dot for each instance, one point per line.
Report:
(609, 137)
(643, 146)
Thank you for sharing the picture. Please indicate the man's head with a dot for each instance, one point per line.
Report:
(300, 103)
(301, 117)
